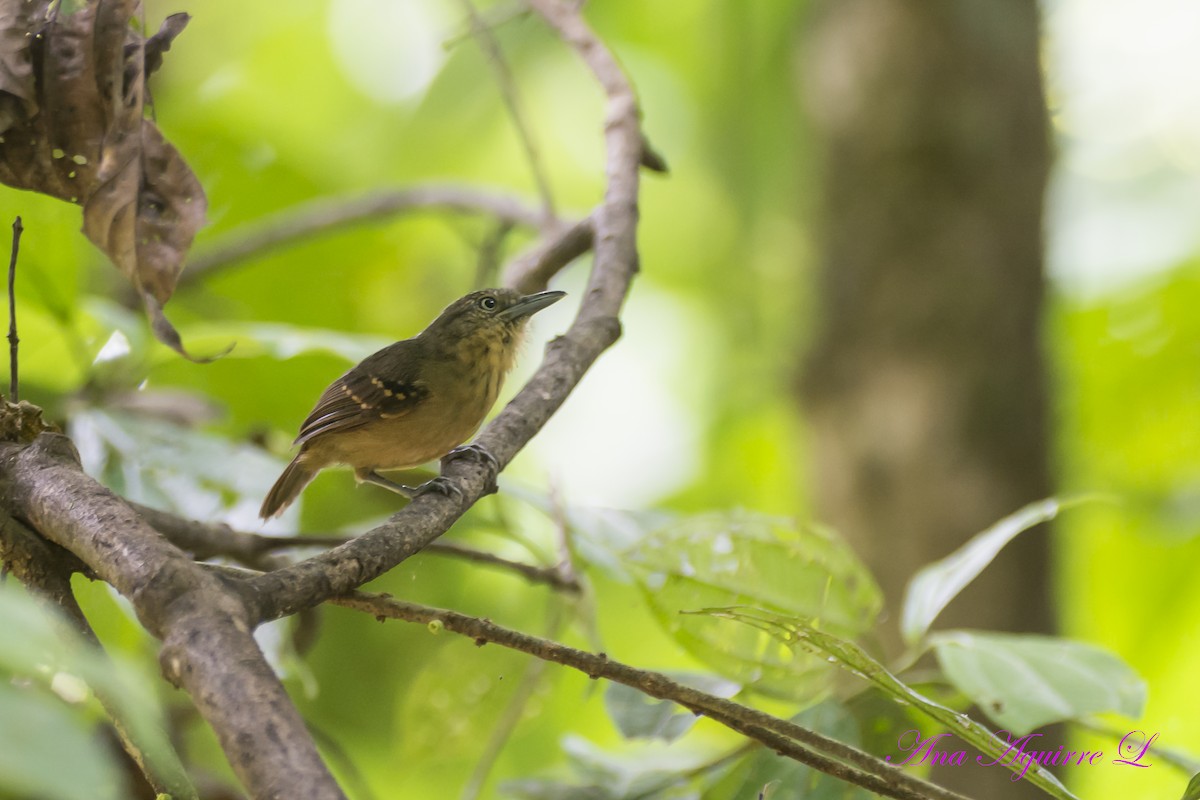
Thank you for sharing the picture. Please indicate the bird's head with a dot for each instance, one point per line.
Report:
(488, 316)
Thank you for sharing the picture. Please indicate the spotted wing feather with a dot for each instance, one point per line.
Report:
(364, 394)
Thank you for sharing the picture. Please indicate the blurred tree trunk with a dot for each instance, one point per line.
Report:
(926, 386)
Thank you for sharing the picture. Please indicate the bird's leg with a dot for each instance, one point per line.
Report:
(371, 476)
(480, 455)
(439, 484)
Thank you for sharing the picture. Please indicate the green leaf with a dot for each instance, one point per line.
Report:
(738, 558)
(849, 656)
(193, 473)
(640, 717)
(1192, 792)
(1025, 682)
(53, 751)
(936, 584)
(275, 340)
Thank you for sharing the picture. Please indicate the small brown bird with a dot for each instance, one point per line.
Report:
(415, 400)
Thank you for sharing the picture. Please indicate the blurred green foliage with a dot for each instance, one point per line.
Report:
(695, 408)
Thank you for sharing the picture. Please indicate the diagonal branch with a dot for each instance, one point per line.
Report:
(596, 327)
(785, 737)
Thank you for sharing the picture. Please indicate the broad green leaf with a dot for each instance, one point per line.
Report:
(255, 340)
(1024, 682)
(160, 464)
(638, 716)
(1192, 792)
(849, 656)
(936, 584)
(738, 558)
(48, 749)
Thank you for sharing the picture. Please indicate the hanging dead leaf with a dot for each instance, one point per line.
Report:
(72, 93)
(16, 65)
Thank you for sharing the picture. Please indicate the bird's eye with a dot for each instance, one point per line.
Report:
(487, 303)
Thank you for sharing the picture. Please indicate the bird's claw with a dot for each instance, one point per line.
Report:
(480, 455)
(441, 485)
(476, 452)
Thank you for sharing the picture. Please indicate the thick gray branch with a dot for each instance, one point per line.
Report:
(207, 648)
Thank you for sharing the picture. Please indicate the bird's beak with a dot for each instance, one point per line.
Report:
(530, 304)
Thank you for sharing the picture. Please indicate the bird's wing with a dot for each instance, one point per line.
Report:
(364, 395)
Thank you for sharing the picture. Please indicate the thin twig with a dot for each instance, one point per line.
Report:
(785, 737)
(551, 576)
(493, 18)
(14, 382)
(491, 250)
(532, 271)
(320, 216)
(484, 34)
(562, 538)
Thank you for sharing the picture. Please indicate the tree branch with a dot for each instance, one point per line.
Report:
(46, 570)
(208, 649)
(312, 219)
(786, 738)
(568, 357)
(204, 540)
(532, 271)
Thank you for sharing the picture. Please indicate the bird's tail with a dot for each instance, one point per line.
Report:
(293, 480)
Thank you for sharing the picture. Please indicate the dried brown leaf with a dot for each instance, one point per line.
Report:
(18, 21)
(85, 139)
(160, 42)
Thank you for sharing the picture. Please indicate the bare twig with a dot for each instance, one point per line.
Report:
(551, 576)
(493, 18)
(486, 37)
(320, 216)
(785, 737)
(532, 271)
(14, 382)
(491, 250)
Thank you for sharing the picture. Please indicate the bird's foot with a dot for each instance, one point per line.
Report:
(480, 455)
(440, 484)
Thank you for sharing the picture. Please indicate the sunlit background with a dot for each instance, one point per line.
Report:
(696, 407)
